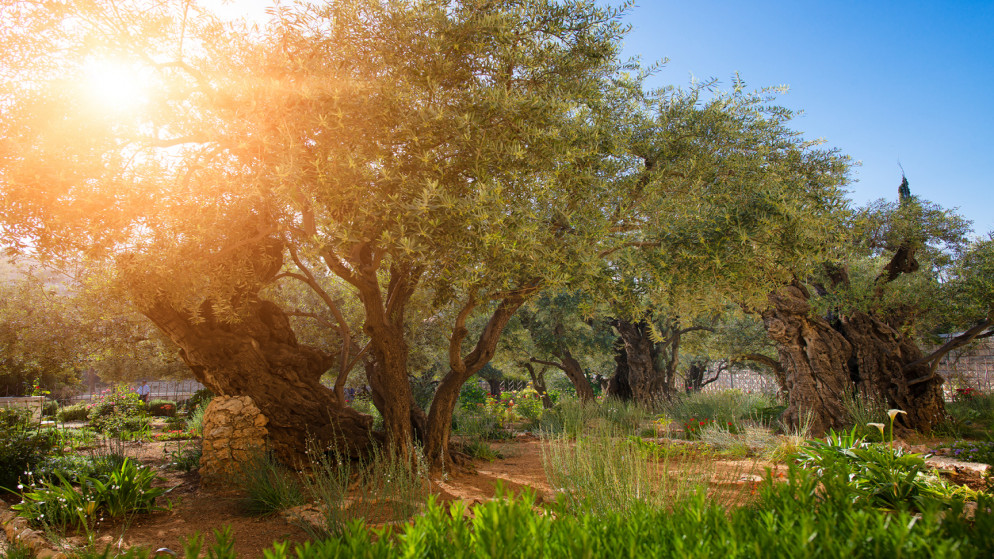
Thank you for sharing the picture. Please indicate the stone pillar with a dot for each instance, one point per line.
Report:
(234, 431)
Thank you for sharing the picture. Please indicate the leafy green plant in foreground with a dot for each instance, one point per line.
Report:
(57, 503)
(875, 473)
(778, 526)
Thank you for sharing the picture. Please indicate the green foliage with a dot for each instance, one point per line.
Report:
(35, 322)
(472, 395)
(119, 412)
(198, 399)
(864, 410)
(384, 486)
(16, 550)
(876, 474)
(528, 405)
(185, 457)
(58, 504)
(779, 526)
(195, 421)
(22, 445)
(972, 408)
(49, 408)
(269, 486)
(480, 449)
(74, 412)
(723, 406)
(162, 408)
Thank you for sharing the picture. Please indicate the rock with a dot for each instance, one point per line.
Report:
(234, 432)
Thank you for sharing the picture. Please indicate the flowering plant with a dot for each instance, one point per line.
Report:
(964, 394)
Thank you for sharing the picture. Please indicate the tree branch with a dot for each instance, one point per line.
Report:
(959, 341)
(459, 333)
(549, 363)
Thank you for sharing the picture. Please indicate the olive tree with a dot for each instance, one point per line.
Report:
(429, 154)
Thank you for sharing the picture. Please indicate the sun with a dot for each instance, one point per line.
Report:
(114, 86)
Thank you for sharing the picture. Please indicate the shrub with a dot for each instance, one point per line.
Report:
(49, 408)
(779, 525)
(876, 474)
(195, 422)
(199, 398)
(722, 406)
(57, 503)
(472, 395)
(529, 405)
(384, 487)
(118, 411)
(162, 408)
(74, 412)
(185, 457)
(269, 487)
(22, 445)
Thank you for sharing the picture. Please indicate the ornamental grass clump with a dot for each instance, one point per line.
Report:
(383, 487)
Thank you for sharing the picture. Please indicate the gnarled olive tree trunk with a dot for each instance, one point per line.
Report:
(259, 357)
(881, 369)
(814, 356)
(644, 380)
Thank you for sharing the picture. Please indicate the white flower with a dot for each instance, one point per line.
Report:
(893, 413)
(879, 426)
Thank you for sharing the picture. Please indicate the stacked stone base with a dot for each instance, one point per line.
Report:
(234, 433)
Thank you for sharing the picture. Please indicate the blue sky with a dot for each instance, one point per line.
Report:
(882, 81)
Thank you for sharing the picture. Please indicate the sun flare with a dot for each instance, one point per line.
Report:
(114, 86)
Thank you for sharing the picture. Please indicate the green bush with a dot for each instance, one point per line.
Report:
(162, 408)
(876, 474)
(49, 408)
(119, 412)
(269, 487)
(722, 406)
(776, 527)
(199, 398)
(472, 395)
(22, 445)
(74, 412)
(58, 504)
(186, 457)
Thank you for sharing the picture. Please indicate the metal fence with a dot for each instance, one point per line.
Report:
(175, 390)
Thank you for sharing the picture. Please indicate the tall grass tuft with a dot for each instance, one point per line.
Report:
(610, 470)
(382, 488)
(269, 486)
(863, 409)
(722, 406)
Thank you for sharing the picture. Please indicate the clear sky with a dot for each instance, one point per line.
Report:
(885, 82)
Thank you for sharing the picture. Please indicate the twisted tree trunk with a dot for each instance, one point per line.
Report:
(886, 366)
(259, 357)
(814, 356)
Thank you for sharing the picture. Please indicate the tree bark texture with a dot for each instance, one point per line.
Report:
(646, 382)
(880, 369)
(461, 368)
(259, 357)
(814, 356)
